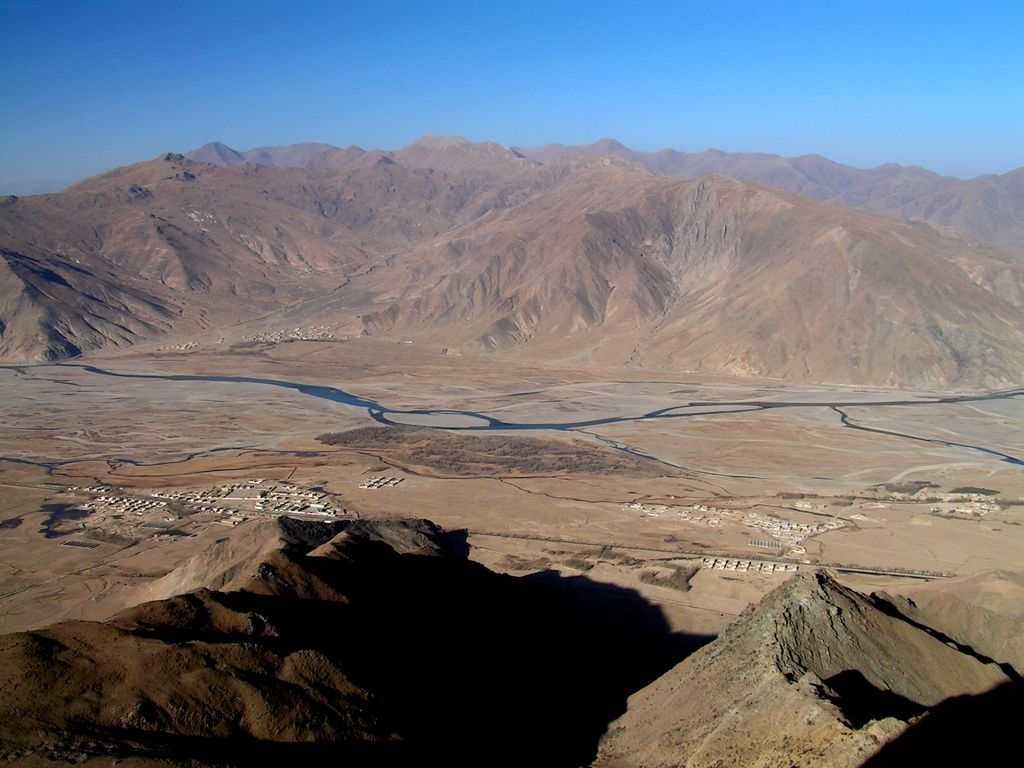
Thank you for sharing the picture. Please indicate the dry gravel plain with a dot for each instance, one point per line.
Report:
(626, 502)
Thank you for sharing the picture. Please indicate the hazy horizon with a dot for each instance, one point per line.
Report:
(106, 84)
(43, 186)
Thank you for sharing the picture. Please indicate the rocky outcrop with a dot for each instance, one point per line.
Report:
(814, 675)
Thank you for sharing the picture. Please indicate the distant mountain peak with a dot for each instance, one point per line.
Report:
(216, 153)
(611, 145)
(431, 141)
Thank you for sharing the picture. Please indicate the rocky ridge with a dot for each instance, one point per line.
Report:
(815, 674)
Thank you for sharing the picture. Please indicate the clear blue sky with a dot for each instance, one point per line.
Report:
(90, 85)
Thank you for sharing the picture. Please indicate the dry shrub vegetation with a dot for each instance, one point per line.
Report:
(450, 454)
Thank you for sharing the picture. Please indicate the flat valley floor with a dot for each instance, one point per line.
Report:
(701, 493)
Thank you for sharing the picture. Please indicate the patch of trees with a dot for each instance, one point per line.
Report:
(679, 579)
(460, 454)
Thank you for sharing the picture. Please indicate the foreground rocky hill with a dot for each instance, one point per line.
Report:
(381, 643)
(475, 248)
(370, 643)
(815, 675)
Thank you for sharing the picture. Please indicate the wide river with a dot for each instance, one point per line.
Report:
(486, 423)
(475, 421)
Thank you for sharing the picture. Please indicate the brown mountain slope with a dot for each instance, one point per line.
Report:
(989, 207)
(591, 261)
(173, 246)
(613, 266)
(813, 675)
(372, 643)
(983, 611)
(147, 250)
(453, 153)
(52, 308)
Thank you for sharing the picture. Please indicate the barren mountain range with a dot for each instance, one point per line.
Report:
(990, 207)
(593, 260)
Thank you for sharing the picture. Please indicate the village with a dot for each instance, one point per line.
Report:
(974, 510)
(314, 333)
(187, 346)
(958, 504)
(779, 533)
(700, 514)
(789, 533)
(255, 498)
(168, 513)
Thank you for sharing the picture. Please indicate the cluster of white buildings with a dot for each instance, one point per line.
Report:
(651, 510)
(701, 514)
(779, 533)
(315, 333)
(200, 217)
(748, 566)
(705, 509)
(929, 496)
(257, 497)
(381, 481)
(120, 514)
(788, 532)
(969, 511)
(233, 503)
(184, 347)
(123, 504)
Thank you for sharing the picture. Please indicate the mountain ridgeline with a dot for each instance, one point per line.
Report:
(584, 256)
(989, 207)
(366, 643)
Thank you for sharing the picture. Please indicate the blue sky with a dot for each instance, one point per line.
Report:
(90, 85)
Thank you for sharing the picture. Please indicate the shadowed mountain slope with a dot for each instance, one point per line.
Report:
(378, 642)
(941, 738)
(374, 642)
